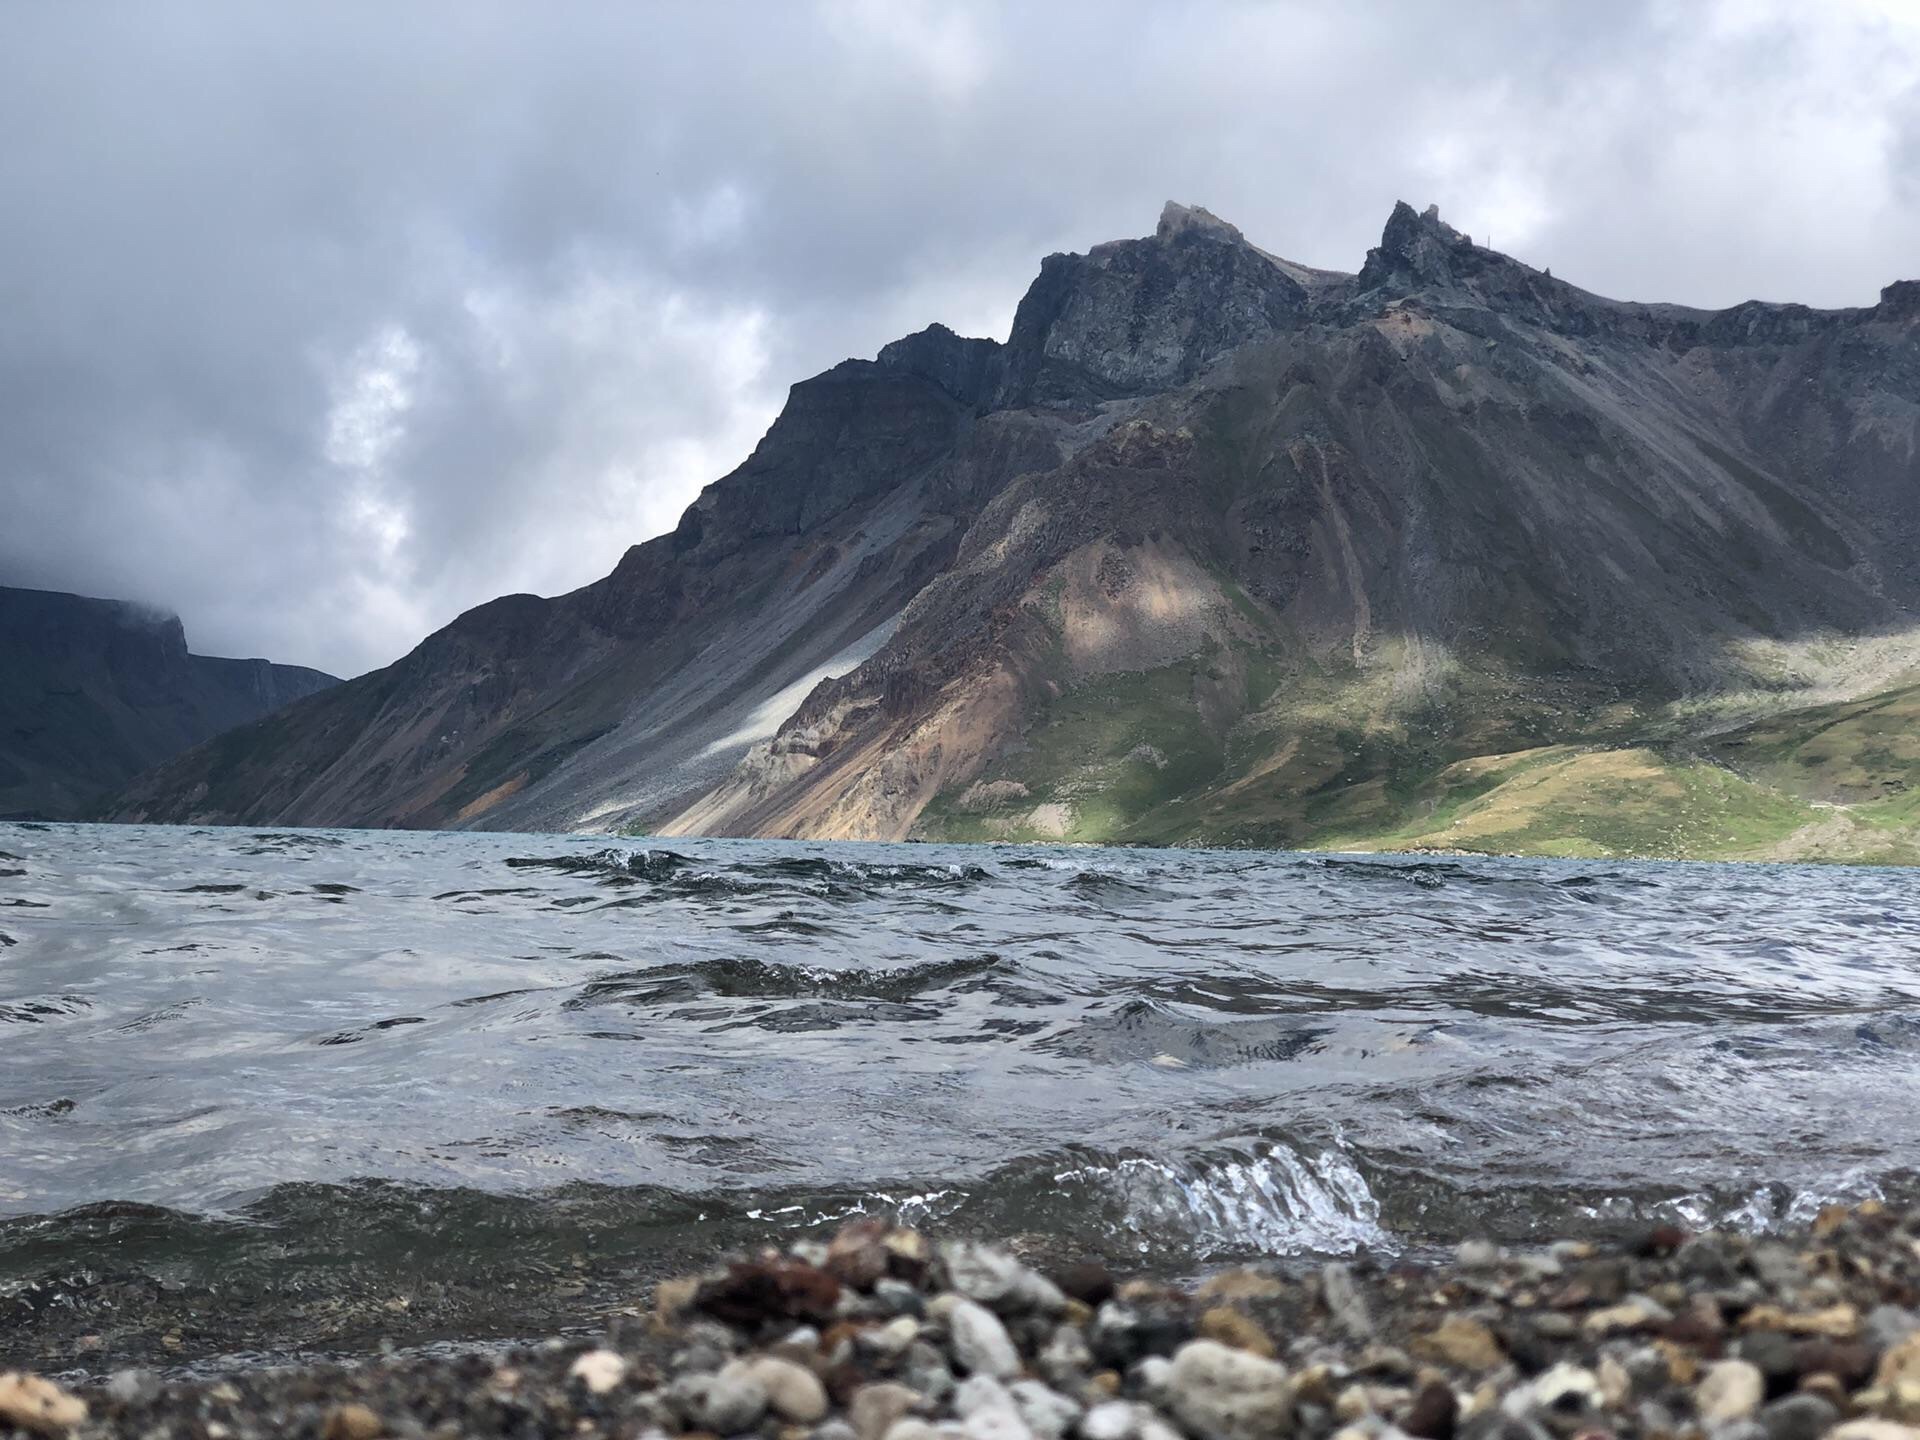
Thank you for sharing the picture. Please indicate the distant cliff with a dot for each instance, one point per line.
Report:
(92, 692)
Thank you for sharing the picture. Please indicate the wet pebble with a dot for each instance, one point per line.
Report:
(598, 1370)
(792, 1392)
(980, 1342)
(874, 1409)
(995, 1279)
(726, 1402)
(351, 1422)
(30, 1403)
(1799, 1417)
(1220, 1393)
(1730, 1390)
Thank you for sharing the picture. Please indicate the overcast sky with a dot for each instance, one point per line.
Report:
(321, 323)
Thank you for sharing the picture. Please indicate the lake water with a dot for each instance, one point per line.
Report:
(286, 1090)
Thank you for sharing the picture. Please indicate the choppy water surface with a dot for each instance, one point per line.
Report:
(361, 1083)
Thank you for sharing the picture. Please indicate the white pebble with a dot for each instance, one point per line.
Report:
(1219, 1393)
(1730, 1390)
(980, 1392)
(980, 1341)
(793, 1391)
(598, 1370)
(1112, 1420)
(1048, 1413)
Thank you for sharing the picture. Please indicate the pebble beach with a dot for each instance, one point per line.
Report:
(879, 1332)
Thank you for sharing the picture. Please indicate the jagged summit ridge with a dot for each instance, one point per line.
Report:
(1131, 316)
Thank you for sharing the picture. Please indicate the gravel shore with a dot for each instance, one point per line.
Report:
(887, 1334)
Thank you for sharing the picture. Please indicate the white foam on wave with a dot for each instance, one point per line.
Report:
(1272, 1200)
(1776, 1207)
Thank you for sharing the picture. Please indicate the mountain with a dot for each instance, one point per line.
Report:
(1217, 547)
(96, 691)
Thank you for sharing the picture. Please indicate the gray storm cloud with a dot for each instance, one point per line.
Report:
(320, 324)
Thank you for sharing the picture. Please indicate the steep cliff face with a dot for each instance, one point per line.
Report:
(634, 693)
(1214, 546)
(92, 692)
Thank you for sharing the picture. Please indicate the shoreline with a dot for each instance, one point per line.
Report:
(886, 1333)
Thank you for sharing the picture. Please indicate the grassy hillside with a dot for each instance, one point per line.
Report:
(1344, 760)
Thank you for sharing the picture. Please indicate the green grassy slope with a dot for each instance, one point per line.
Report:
(1479, 762)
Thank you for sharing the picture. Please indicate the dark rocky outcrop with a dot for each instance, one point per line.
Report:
(1136, 316)
(95, 691)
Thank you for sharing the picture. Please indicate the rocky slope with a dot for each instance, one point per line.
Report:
(97, 691)
(1214, 547)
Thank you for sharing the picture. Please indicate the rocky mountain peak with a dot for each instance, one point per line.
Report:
(1418, 247)
(1133, 316)
(967, 369)
(1194, 222)
(1900, 301)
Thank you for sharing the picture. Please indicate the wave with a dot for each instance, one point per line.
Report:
(1139, 1030)
(39, 1010)
(1270, 1199)
(676, 876)
(613, 865)
(1438, 874)
(747, 978)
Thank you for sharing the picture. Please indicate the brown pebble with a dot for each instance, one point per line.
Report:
(1241, 1285)
(1087, 1282)
(1683, 1366)
(1314, 1386)
(771, 1288)
(1661, 1240)
(1230, 1327)
(1849, 1361)
(1461, 1342)
(1697, 1328)
(1830, 1219)
(1573, 1296)
(843, 1332)
(1385, 1361)
(1433, 1414)
(1106, 1383)
(909, 1253)
(1606, 1280)
(1838, 1321)
(27, 1402)
(1900, 1363)
(1829, 1389)
(351, 1422)
(671, 1299)
(857, 1255)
